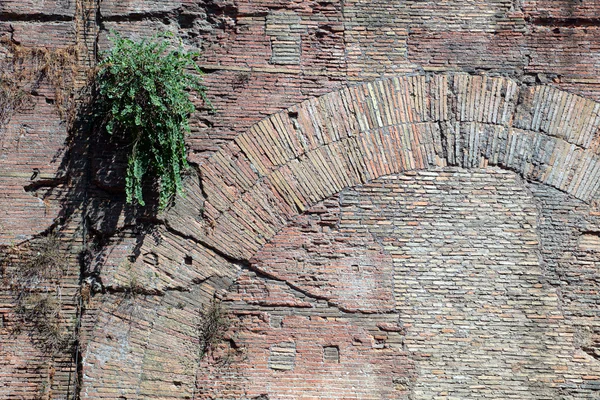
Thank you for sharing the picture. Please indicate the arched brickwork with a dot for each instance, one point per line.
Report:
(276, 175)
(296, 158)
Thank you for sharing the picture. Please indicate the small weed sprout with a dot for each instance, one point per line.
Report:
(4, 258)
(241, 79)
(214, 322)
(12, 99)
(133, 287)
(130, 289)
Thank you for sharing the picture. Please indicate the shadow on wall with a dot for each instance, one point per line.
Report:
(92, 189)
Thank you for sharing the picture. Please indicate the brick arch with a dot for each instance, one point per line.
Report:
(291, 160)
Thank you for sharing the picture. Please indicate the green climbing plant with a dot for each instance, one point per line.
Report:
(143, 92)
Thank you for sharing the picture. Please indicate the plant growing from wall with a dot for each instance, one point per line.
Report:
(12, 99)
(143, 98)
(36, 272)
(47, 263)
(23, 70)
(214, 322)
(43, 312)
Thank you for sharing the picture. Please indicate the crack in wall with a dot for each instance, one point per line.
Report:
(575, 22)
(36, 18)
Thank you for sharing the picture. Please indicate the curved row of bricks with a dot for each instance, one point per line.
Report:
(291, 160)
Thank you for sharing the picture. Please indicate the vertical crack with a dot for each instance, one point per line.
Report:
(86, 21)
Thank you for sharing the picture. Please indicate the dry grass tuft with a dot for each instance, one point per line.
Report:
(42, 311)
(214, 322)
(23, 70)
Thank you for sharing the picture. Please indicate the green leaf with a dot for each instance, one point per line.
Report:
(144, 92)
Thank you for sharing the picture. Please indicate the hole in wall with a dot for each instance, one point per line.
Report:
(151, 259)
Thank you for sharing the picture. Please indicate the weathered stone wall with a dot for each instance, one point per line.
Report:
(355, 298)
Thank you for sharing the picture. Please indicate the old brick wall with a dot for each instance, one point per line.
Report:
(308, 286)
(469, 310)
